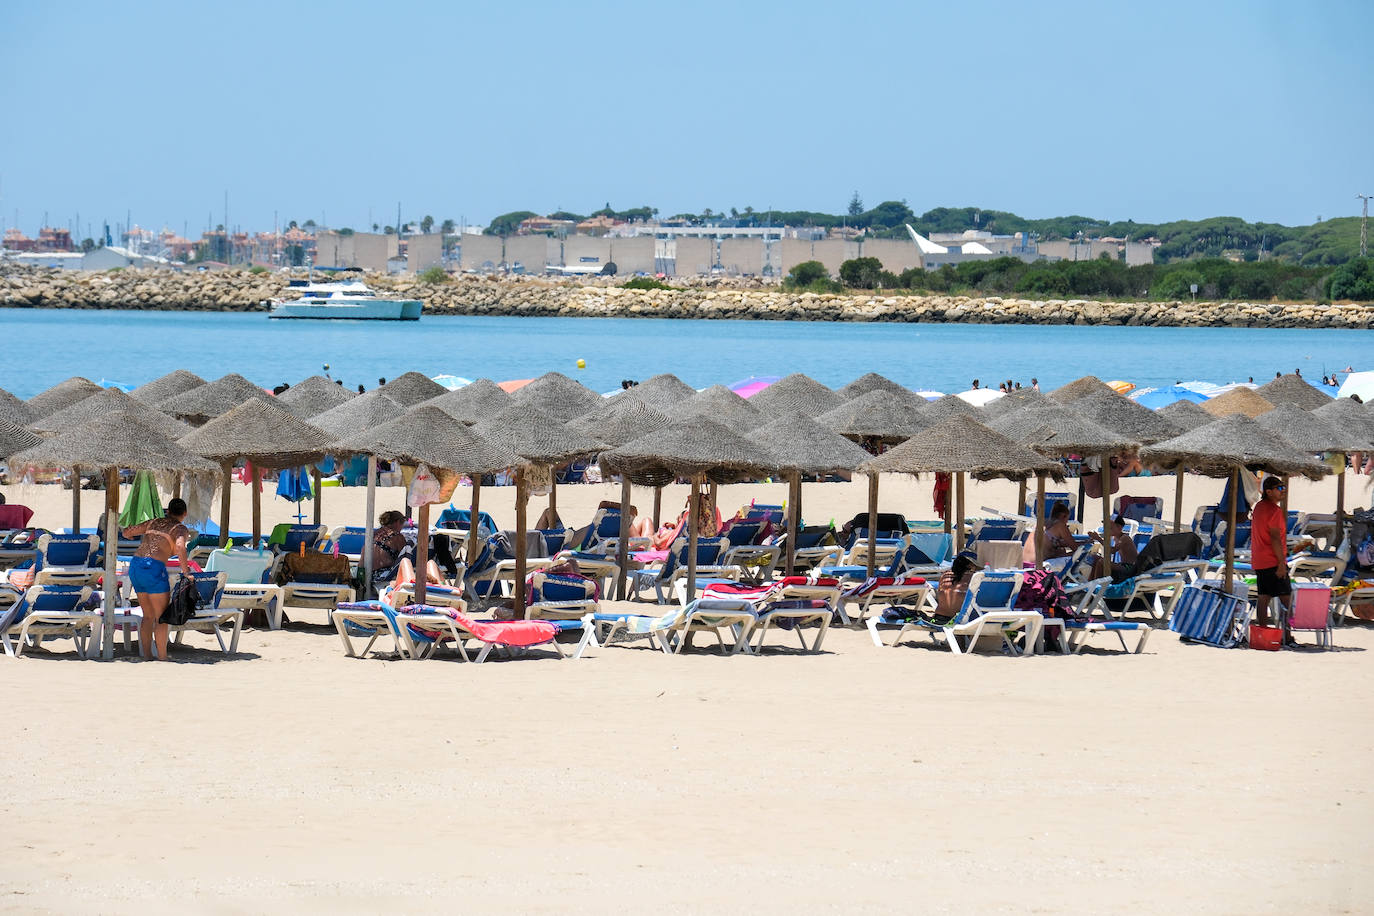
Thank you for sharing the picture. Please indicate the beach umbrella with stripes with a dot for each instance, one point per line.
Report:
(63, 394)
(1244, 401)
(796, 393)
(800, 446)
(411, 388)
(474, 402)
(205, 402)
(178, 381)
(13, 410)
(723, 406)
(661, 392)
(871, 381)
(313, 396)
(1293, 390)
(425, 435)
(555, 393)
(696, 448)
(107, 444)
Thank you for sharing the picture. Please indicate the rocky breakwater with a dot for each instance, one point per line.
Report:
(243, 290)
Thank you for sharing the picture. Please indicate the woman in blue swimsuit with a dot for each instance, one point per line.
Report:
(161, 539)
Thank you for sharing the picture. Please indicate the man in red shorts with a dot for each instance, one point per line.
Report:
(1269, 555)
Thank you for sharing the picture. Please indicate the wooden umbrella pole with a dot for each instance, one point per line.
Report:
(1039, 518)
(111, 586)
(315, 480)
(622, 551)
(422, 554)
(253, 481)
(1231, 528)
(177, 485)
(959, 510)
(1107, 506)
(1178, 499)
(949, 508)
(658, 507)
(473, 509)
(1340, 506)
(692, 538)
(224, 505)
(368, 532)
(872, 523)
(553, 494)
(76, 500)
(793, 519)
(522, 499)
(1021, 496)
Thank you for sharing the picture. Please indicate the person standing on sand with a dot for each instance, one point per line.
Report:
(161, 538)
(1269, 556)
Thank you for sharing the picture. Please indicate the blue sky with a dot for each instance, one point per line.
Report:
(337, 111)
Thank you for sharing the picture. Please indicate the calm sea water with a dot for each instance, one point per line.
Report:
(42, 347)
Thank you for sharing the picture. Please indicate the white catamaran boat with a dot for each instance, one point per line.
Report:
(341, 299)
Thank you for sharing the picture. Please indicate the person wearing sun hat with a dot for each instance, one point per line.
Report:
(1269, 555)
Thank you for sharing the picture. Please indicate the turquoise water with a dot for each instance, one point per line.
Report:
(42, 347)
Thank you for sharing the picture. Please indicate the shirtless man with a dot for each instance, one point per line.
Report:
(161, 538)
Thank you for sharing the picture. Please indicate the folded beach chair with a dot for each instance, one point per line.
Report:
(423, 629)
(673, 631)
(559, 597)
(989, 607)
(1204, 613)
(249, 581)
(287, 538)
(1081, 625)
(49, 611)
(67, 559)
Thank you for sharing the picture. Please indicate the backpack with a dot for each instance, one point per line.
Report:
(183, 604)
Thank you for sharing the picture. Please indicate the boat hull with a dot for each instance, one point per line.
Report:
(355, 310)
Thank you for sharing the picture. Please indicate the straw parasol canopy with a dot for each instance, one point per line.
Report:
(870, 381)
(15, 438)
(63, 394)
(951, 405)
(1312, 433)
(205, 402)
(536, 437)
(662, 392)
(1015, 400)
(13, 410)
(357, 415)
(263, 433)
(1234, 441)
(178, 381)
(475, 402)
(556, 394)
(1350, 414)
(426, 435)
(111, 441)
(1058, 432)
(801, 444)
(1293, 391)
(1079, 388)
(1185, 415)
(797, 393)
(960, 444)
(723, 406)
(622, 420)
(879, 414)
(411, 388)
(110, 400)
(314, 396)
(1243, 401)
(689, 447)
(1122, 415)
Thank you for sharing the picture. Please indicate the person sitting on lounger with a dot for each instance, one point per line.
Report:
(393, 553)
(1121, 545)
(954, 583)
(1057, 539)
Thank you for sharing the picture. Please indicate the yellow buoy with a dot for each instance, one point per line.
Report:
(581, 364)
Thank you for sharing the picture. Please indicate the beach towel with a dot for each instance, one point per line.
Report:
(14, 517)
(516, 634)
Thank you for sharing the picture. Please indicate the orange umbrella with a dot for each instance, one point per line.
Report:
(1121, 387)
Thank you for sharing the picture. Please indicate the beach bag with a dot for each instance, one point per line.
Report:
(314, 568)
(1041, 591)
(183, 604)
(424, 489)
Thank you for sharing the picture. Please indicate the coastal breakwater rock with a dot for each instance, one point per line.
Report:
(719, 298)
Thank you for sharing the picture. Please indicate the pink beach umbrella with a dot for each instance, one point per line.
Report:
(747, 388)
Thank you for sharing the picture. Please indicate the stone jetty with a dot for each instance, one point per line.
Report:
(247, 291)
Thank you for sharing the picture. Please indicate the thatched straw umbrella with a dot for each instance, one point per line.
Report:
(1015, 400)
(951, 405)
(797, 393)
(623, 420)
(63, 394)
(662, 392)
(540, 441)
(958, 445)
(871, 381)
(263, 434)
(803, 446)
(1079, 388)
(877, 418)
(1293, 391)
(1056, 431)
(14, 410)
(696, 447)
(1134, 421)
(109, 443)
(105, 401)
(411, 388)
(314, 396)
(205, 402)
(1221, 449)
(358, 415)
(1357, 420)
(475, 402)
(178, 381)
(1244, 401)
(1185, 415)
(426, 435)
(555, 393)
(723, 406)
(15, 438)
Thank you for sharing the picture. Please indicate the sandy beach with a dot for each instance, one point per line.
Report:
(292, 778)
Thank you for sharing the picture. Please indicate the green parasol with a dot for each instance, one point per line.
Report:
(143, 503)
